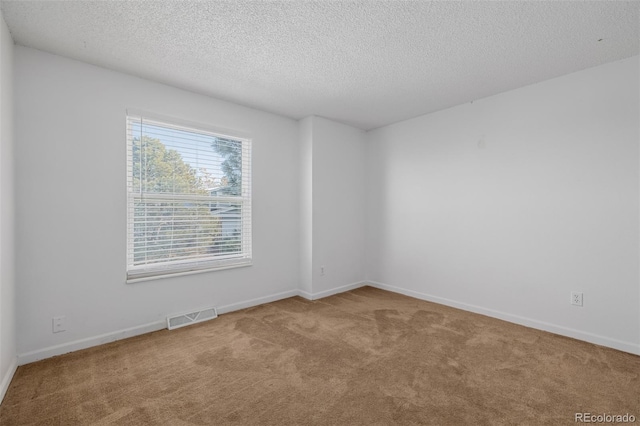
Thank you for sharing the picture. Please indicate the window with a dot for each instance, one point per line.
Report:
(189, 199)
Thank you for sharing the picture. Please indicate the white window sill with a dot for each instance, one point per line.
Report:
(179, 273)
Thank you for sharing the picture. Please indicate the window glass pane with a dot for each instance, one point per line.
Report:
(231, 152)
(180, 162)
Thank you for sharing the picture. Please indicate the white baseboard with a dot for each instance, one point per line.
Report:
(89, 342)
(331, 292)
(516, 319)
(6, 380)
(257, 301)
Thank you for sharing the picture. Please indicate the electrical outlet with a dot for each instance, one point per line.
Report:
(322, 270)
(576, 298)
(58, 324)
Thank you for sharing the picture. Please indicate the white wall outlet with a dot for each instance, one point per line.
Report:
(322, 270)
(59, 324)
(576, 298)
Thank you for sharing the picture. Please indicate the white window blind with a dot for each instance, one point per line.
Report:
(189, 199)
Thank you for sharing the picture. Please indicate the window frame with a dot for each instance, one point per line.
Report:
(168, 269)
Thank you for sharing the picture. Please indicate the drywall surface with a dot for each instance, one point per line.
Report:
(7, 249)
(338, 205)
(305, 136)
(8, 348)
(508, 204)
(71, 202)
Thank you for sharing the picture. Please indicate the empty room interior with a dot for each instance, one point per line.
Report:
(319, 212)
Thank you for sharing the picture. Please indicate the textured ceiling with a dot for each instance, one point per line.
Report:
(364, 63)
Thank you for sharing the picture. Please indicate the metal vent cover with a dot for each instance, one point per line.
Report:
(181, 320)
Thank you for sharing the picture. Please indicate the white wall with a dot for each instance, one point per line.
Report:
(7, 274)
(71, 204)
(306, 204)
(331, 207)
(338, 205)
(507, 204)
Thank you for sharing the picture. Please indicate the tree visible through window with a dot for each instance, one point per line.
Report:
(189, 199)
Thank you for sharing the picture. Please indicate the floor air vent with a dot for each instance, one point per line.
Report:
(177, 321)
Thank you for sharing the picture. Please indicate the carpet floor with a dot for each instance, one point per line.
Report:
(364, 357)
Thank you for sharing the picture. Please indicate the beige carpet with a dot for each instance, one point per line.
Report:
(366, 357)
